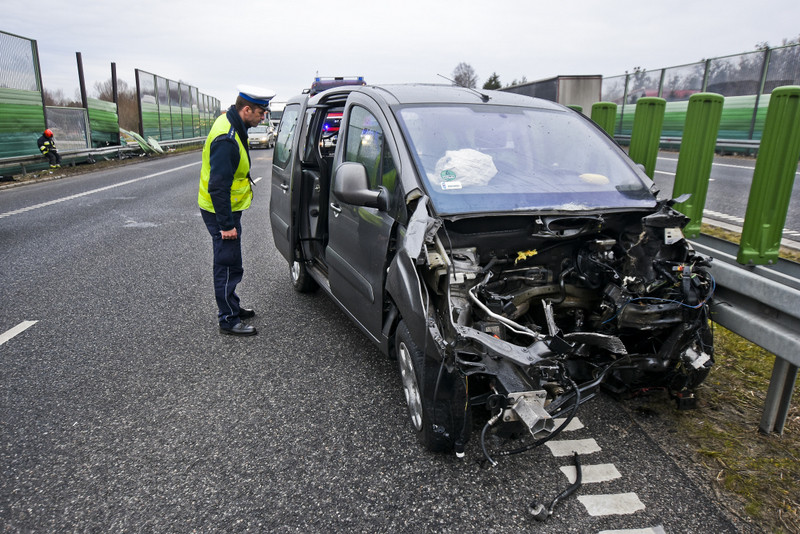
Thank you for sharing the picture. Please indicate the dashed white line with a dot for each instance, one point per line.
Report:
(98, 190)
(592, 474)
(565, 447)
(653, 530)
(723, 216)
(21, 327)
(573, 425)
(730, 165)
(617, 504)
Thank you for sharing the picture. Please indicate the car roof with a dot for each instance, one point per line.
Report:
(404, 94)
(452, 94)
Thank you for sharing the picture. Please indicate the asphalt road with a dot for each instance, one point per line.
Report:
(122, 409)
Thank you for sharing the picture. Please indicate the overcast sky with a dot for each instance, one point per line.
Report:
(282, 45)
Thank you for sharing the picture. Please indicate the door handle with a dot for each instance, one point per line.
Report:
(336, 209)
(285, 187)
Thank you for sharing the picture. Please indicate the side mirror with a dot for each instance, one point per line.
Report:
(351, 185)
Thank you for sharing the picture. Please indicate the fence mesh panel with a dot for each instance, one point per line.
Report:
(69, 127)
(682, 82)
(742, 79)
(784, 68)
(641, 84)
(736, 75)
(17, 63)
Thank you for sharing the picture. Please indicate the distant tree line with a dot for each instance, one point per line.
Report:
(464, 75)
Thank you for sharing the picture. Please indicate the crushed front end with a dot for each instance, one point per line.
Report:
(536, 313)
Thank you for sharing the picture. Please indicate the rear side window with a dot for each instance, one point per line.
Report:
(286, 133)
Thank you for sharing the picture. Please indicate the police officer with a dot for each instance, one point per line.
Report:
(225, 191)
(47, 145)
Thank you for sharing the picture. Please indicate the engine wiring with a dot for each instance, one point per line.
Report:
(670, 301)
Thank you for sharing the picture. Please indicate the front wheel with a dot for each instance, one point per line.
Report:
(438, 424)
(301, 279)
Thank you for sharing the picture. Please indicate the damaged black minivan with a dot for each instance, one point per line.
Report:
(504, 249)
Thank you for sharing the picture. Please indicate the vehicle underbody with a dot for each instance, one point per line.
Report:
(529, 316)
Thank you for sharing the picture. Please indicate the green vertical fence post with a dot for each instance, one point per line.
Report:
(604, 114)
(773, 179)
(696, 156)
(576, 107)
(647, 123)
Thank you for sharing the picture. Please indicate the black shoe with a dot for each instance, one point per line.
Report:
(246, 313)
(239, 329)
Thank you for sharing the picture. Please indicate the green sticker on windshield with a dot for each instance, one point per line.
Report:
(448, 175)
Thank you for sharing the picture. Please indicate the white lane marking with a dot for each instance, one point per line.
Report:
(21, 327)
(98, 190)
(592, 474)
(573, 425)
(565, 447)
(617, 504)
(731, 165)
(654, 530)
(723, 216)
(257, 180)
(673, 174)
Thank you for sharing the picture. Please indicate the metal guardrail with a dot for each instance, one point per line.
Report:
(71, 157)
(761, 304)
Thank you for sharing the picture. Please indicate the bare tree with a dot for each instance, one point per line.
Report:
(464, 75)
(57, 98)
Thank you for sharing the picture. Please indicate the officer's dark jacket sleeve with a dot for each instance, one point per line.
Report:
(223, 160)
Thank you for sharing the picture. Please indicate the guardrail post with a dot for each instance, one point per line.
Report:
(696, 156)
(604, 114)
(773, 179)
(647, 123)
(779, 396)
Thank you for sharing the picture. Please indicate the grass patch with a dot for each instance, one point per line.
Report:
(762, 471)
(734, 237)
(756, 476)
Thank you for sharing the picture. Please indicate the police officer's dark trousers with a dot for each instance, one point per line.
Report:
(227, 267)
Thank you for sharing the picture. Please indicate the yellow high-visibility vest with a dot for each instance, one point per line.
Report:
(241, 192)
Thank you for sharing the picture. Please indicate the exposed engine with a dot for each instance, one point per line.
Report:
(538, 314)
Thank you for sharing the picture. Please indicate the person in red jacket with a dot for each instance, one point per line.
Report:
(47, 144)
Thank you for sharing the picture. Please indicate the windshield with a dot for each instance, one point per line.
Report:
(257, 130)
(477, 159)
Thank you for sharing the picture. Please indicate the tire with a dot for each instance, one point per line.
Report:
(438, 425)
(301, 279)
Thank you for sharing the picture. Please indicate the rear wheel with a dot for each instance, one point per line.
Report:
(301, 279)
(440, 424)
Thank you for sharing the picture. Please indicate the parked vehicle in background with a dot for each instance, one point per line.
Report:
(503, 248)
(275, 113)
(261, 136)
